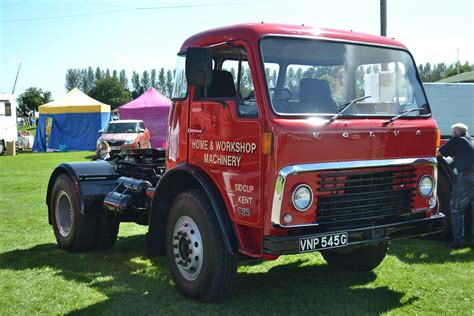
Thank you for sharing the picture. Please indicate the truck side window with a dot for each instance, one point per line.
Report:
(180, 88)
(247, 104)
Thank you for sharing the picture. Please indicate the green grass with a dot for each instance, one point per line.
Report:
(417, 277)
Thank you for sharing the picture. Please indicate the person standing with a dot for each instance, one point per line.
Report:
(461, 148)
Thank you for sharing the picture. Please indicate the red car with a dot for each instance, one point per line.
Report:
(125, 134)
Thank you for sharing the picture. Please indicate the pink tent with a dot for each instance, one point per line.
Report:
(152, 108)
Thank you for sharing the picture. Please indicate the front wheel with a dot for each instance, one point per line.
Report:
(365, 258)
(200, 265)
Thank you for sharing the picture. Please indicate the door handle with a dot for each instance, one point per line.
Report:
(194, 131)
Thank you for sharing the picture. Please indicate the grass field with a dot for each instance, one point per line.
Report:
(417, 277)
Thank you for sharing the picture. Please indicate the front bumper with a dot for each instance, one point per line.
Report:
(283, 245)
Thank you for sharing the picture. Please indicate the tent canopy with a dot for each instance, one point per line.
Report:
(152, 108)
(75, 101)
(72, 121)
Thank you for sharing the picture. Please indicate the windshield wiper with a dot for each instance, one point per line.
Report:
(344, 107)
(393, 119)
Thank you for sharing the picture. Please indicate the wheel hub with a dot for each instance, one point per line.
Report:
(187, 248)
(63, 214)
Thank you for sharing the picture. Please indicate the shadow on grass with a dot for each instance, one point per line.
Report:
(416, 251)
(133, 285)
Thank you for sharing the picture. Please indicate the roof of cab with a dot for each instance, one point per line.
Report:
(254, 31)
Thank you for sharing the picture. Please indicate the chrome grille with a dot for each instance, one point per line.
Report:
(351, 198)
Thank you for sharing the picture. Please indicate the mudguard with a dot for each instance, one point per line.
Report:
(92, 179)
(445, 172)
(174, 181)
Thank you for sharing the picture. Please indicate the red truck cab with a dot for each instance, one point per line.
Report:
(261, 141)
(282, 140)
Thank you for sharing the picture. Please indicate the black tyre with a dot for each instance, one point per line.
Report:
(107, 231)
(2, 147)
(73, 231)
(364, 258)
(444, 196)
(200, 265)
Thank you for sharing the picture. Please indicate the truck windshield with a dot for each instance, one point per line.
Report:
(317, 77)
(121, 128)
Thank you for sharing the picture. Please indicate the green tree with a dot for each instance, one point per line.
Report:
(87, 80)
(169, 83)
(145, 81)
(33, 97)
(123, 78)
(137, 88)
(153, 81)
(110, 90)
(162, 81)
(462, 68)
(98, 74)
(73, 79)
(114, 73)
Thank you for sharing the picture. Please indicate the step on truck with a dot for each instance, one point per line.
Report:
(282, 140)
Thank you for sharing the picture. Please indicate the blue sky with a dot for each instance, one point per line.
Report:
(51, 36)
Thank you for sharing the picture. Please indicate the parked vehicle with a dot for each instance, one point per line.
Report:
(262, 163)
(8, 128)
(126, 134)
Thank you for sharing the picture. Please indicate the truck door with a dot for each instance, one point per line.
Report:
(225, 132)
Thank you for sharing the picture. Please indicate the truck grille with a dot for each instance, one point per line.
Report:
(351, 198)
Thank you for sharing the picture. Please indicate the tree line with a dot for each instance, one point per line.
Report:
(114, 88)
(436, 72)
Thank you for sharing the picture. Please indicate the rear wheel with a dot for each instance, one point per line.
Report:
(200, 265)
(107, 231)
(73, 230)
(364, 258)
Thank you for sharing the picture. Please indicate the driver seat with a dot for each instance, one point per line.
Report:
(315, 96)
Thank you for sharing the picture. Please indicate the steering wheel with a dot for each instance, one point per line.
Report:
(284, 99)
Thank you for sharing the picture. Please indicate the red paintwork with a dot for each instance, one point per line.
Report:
(252, 32)
(293, 138)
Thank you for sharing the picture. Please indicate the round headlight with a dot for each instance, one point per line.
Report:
(426, 185)
(302, 197)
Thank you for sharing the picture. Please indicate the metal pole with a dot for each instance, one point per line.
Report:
(16, 78)
(383, 17)
(458, 64)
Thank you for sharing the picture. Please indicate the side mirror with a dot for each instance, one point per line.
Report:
(100, 131)
(198, 66)
(141, 130)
